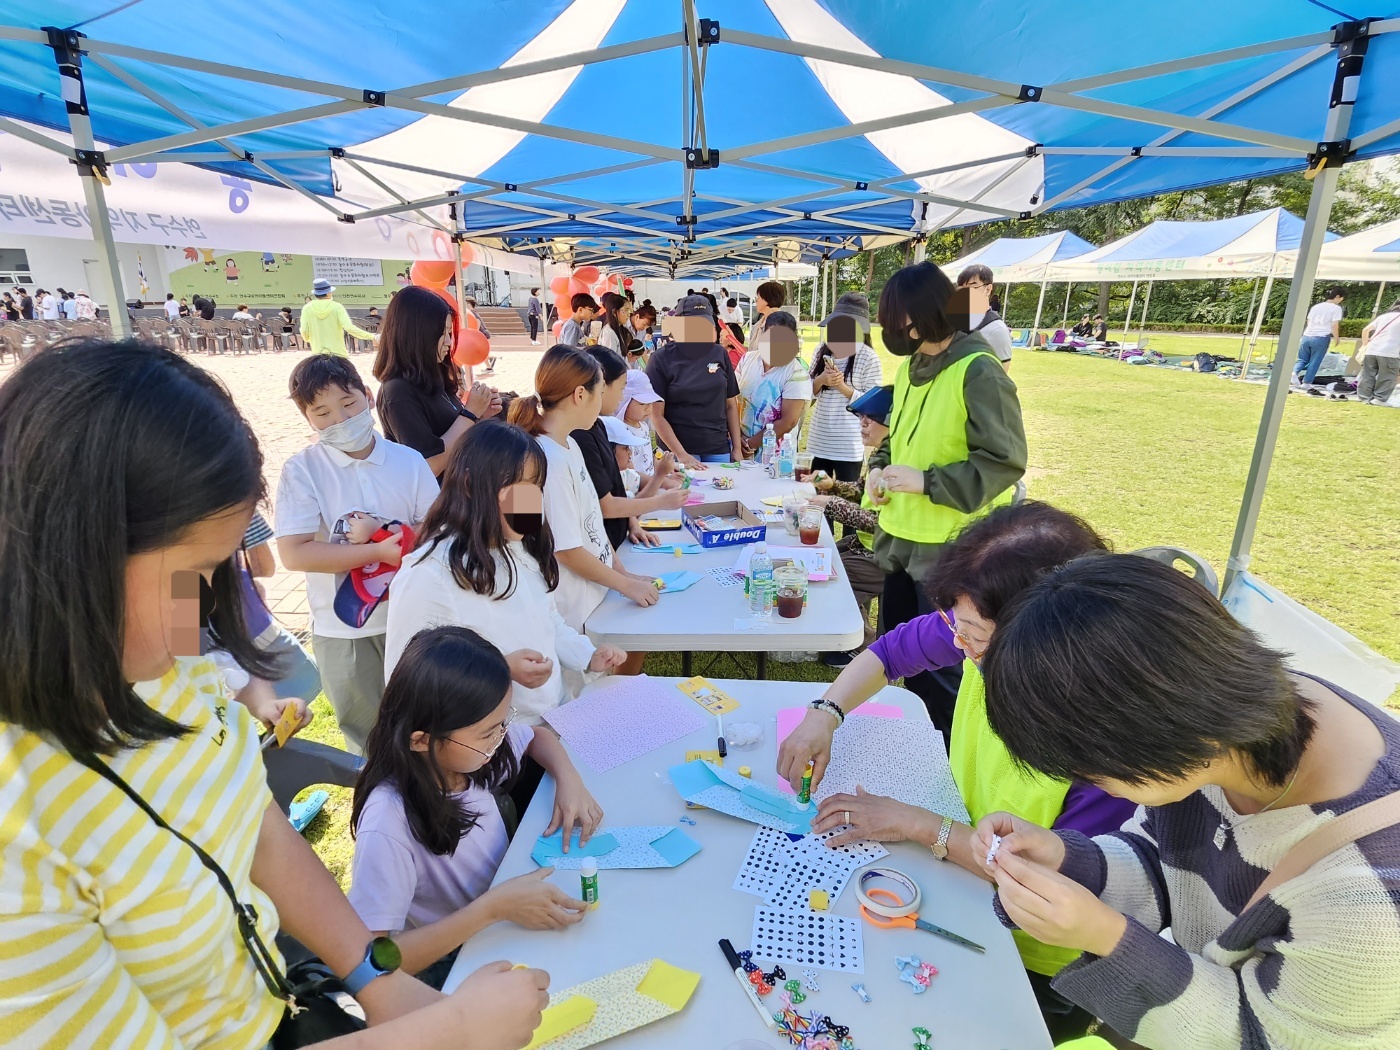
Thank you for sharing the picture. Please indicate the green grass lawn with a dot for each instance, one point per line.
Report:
(1159, 456)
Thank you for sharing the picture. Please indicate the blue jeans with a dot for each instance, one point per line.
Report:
(722, 457)
(1311, 352)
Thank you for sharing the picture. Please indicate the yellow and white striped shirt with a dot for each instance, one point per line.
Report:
(112, 933)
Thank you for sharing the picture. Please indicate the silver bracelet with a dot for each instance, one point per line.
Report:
(824, 704)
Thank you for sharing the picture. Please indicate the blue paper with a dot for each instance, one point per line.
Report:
(659, 846)
(553, 845)
(672, 582)
(669, 548)
(676, 847)
(717, 788)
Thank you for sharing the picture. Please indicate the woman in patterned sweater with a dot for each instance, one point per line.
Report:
(1125, 673)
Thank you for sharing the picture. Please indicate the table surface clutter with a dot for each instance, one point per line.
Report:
(712, 614)
(645, 966)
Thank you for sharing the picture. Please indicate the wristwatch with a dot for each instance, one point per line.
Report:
(381, 956)
(940, 844)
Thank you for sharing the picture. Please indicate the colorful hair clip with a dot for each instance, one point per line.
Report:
(859, 989)
(809, 977)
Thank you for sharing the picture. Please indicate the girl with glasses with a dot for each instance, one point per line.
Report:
(429, 832)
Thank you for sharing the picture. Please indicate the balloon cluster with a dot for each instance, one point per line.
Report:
(469, 346)
(587, 280)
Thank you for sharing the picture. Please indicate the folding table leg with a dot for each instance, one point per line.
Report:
(762, 672)
(687, 663)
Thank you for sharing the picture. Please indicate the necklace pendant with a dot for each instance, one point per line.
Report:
(1220, 837)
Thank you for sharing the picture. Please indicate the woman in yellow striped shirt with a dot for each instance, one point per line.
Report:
(122, 469)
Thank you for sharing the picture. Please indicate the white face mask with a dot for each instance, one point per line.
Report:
(350, 435)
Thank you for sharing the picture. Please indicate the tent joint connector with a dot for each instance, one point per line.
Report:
(1345, 32)
(346, 218)
(511, 187)
(1329, 155)
(1025, 215)
(701, 159)
(373, 98)
(63, 39)
(686, 220)
(1033, 150)
(1136, 151)
(337, 152)
(91, 163)
(1029, 93)
(862, 186)
(709, 32)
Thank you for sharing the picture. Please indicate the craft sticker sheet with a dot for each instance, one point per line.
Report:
(806, 872)
(619, 1001)
(724, 576)
(767, 860)
(627, 718)
(635, 847)
(856, 854)
(828, 942)
(898, 759)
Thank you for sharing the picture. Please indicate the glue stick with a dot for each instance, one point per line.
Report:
(805, 795)
(588, 877)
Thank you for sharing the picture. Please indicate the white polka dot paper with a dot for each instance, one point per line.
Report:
(828, 942)
(895, 758)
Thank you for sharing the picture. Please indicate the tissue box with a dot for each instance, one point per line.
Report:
(741, 525)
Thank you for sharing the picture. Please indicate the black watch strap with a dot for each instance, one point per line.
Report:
(469, 414)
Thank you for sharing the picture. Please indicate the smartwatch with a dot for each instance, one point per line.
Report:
(381, 956)
(465, 411)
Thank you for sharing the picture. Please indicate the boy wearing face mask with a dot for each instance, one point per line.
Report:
(349, 473)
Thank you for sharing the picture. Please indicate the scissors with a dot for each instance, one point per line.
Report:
(898, 911)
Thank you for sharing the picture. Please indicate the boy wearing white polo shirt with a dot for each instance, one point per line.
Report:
(355, 478)
(1380, 363)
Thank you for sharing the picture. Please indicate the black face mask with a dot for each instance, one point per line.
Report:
(897, 341)
(525, 524)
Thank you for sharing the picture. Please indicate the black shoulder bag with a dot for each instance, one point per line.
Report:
(312, 1013)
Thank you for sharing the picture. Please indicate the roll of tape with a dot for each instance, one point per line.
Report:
(911, 894)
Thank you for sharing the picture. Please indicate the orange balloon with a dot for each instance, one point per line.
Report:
(559, 286)
(471, 321)
(586, 274)
(468, 254)
(472, 348)
(558, 327)
(577, 287)
(627, 282)
(432, 273)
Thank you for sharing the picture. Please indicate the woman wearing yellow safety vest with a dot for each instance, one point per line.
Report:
(956, 448)
(981, 574)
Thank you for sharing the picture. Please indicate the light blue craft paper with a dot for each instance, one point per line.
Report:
(717, 788)
(553, 845)
(659, 846)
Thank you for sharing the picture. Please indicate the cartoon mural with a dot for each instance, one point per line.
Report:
(274, 279)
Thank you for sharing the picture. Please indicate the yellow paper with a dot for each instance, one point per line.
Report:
(669, 984)
(707, 756)
(574, 1012)
(704, 693)
(286, 725)
(661, 523)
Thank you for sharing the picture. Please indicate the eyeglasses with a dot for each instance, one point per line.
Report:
(971, 650)
(500, 739)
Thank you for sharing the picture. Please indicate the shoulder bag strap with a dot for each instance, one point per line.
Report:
(1374, 816)
(246, 914)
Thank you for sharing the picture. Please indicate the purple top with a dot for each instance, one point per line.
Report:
(924, 644)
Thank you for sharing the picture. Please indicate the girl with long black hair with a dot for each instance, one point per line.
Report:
(429, 834)
(104, 700)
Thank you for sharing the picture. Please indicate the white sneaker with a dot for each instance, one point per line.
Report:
(1295, 381)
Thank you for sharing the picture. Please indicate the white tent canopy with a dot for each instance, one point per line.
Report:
(1017, 259)
(1372, 255)
(1243, 246)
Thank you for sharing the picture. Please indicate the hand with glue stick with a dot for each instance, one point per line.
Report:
(1053, 909)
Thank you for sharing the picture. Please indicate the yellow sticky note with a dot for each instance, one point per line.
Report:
(286, 725)
(818, 900)
(713, 700)
(574, 1012)
(669, 984)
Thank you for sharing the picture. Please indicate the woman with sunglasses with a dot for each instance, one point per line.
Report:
(982, 571)
(956, 448)
(429, 834)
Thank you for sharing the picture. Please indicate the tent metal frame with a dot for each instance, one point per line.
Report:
(1347, 41)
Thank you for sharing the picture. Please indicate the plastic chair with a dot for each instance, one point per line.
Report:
(1192, 564)
(304, 763)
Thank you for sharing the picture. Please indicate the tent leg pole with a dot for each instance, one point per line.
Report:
(1064, 320)
(920, 251)
(1248, 320)
(1142, 321)
(1380, 294)
(1040, 305)
(1128, 321)
(1258, 323)
(1350, 58)
(70, 72)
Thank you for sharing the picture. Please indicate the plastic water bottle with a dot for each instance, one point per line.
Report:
(787, 455)
(770, 445)
(760, 582)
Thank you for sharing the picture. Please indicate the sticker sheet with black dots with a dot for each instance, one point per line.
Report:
(724, 575)
(828, 942)
(768, 858)
(851, 854)
(806, 873)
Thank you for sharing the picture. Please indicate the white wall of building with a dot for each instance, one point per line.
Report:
(57, 262)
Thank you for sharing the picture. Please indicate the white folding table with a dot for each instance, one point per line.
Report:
(702, 618)
(680, 914)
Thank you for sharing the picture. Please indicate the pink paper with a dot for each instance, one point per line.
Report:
(788, 718)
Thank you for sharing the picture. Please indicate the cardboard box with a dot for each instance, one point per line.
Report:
(749, 529)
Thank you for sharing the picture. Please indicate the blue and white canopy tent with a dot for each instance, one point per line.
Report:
(1254, 245)
(672, 134)
(1016, 259)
